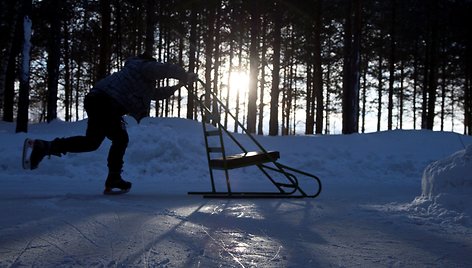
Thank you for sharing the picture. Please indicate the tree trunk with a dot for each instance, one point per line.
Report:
(379, 92)
(260, 124)
(23, 101)
(318, 73)
(253, 69)
(424, 101)
(209, 44)
(11, 71)
(275, 91)
(9, 93)
(432, 80)
(150, 26)
(230, 72)
(67, 73)
(415, 82)
(192, 59)
(402, 93)
(104, 57)
(392, 66)
(443, 95)
(216, 56)
(364, 95)
(310, 120)
(181, 37)
(467, 85)
(350, 101)
(8, 57)
(54, 58)
(240, 62)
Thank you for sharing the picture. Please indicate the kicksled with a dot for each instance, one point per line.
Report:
(285, 180)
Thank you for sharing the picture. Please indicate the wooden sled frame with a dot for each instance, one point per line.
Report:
(265, 161)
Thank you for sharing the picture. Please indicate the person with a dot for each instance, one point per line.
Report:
(128, 91)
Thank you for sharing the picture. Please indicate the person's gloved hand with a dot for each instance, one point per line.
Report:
(191, 77)
(168, 91)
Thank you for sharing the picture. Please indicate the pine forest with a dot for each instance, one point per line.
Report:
(283, 67)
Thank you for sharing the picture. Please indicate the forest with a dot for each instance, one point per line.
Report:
(282, 67)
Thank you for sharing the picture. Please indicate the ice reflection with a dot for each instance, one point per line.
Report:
(249, 248)
(235, 210)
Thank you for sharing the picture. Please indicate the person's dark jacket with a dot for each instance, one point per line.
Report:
(134, 86)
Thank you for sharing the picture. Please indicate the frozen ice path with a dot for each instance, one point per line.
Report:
(149, 229)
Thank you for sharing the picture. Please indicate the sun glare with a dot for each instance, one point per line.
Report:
(239, 81)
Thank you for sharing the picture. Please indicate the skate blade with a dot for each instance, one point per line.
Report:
(108, 191)
(27, 150)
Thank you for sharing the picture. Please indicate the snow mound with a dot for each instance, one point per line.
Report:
(451, 176)
(447, 187)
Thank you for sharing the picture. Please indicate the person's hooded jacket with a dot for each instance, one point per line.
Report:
(134, 86)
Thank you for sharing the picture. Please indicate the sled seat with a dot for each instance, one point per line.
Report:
(244, 160)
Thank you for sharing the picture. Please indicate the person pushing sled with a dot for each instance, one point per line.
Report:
(128, 91)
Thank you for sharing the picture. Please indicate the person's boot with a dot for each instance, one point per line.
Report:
(114, 181)
(42, 148)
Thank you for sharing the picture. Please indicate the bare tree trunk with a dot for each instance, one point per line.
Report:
(23, 101)
(260, 130)
(415, 83)
(9, 92)
(67, 73)
(54, 58)
(104, 59)
(192, 59)
(77, 89)
(402, 93)
(209, 47)
(424, 102)
(318, 73)
(467, 85)
(351, 68)
(14, 50)
(217, 49)
(310, 120)
(230, 72)
(275, 91)
(380, 91)
(443, 94)
(8, 57)
(328, 90)
(253, 69)
(364, 96)
(240, 62)
(150, 25)
(432, 85)
(182, 34)
(392, 66)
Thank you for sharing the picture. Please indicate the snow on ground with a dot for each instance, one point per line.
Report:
(390, 199)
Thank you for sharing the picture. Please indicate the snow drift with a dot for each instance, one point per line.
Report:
(447, 186)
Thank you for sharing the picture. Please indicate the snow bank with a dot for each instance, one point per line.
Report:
(447, 187)
(452, 176)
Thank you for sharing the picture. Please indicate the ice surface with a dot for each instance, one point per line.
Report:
(390, 199)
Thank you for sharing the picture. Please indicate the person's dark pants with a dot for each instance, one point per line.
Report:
(105, 119)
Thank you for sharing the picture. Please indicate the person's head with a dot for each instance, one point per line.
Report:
(146, 55)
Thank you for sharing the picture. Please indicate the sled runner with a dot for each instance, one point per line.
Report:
(285, 179)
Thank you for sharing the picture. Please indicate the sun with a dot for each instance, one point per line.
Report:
(238, 82)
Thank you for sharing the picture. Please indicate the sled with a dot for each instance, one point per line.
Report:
(283, 178)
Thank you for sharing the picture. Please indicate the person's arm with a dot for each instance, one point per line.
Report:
(155, 70)
(162, 93)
